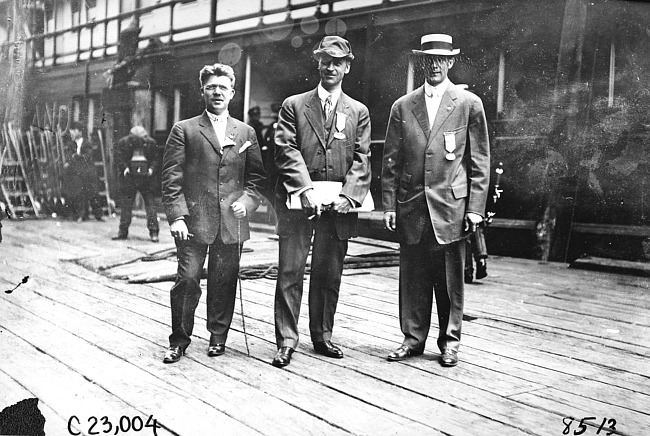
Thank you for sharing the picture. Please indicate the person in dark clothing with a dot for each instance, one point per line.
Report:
(476, 249)
(137, 159)
(80, 179)
(254, 115)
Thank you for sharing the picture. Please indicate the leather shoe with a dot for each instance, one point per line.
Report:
(469, 276)
(282, 357)
(119, 237)
(403, 353)
(449, 358)
(153, 237)
(328, 349)
(173, 354)
(216, 350)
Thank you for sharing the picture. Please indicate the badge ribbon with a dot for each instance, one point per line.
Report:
(450, 145)
(340, 125)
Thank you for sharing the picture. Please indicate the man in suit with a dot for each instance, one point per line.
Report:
(137, 160)
(435, 178)
(211, 176)
(81, 181)
(322, 135)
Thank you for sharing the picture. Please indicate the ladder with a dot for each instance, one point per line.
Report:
(15, 180)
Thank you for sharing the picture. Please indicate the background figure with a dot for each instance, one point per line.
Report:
(80, 178)
(476, 249)
(268, 157)
(254, 115)
(435, 178)
(322, 135)
(476, 245)
(137, 160)
(211, 177)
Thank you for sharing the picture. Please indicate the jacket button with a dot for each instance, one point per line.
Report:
(319, 152)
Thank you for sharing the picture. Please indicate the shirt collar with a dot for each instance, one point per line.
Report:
(437, 90)
(322, 94)
(218, 118)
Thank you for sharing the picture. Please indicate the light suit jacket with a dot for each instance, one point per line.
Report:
(201, 178)
(418, 181)
(303, 154)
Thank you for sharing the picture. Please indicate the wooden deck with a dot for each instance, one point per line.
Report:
(543, 343)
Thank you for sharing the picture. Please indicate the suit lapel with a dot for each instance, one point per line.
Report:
(420, 111)
(208, 132)
(231, 134)
(447, 106)
(314, 115)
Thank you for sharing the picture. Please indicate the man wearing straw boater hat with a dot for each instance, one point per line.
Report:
(435, 178)
(322, 135)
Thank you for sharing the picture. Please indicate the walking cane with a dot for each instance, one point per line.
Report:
(241, 298)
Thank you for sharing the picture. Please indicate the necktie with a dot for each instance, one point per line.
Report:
(327, 108)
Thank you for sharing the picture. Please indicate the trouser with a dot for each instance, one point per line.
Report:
(223, 268)
(128, 191)
(427, 268)
(328, 253)
(84, 201)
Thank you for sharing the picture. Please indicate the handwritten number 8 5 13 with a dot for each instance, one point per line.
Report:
(582, 427)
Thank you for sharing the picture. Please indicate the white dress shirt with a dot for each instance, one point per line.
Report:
(323, 94)
(433, 98)
(79, 141)
(219, 123)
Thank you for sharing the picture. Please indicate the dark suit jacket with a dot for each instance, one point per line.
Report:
(303, 154)
(124, 152)
(201, 178)
(418, 182)
(80, 175)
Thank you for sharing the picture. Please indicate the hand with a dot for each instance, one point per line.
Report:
(309, 205)
(127, 171)
(390, 221)
(238, 209)
(341, 205)
(471, 221)
(150, 172)
(179, 230)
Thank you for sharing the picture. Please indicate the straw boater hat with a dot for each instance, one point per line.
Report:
(437, 44)
(334, 46)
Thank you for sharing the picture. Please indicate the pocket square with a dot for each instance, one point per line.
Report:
(245, 146)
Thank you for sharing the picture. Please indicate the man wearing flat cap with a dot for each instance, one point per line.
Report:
(435, 178)
(322, 135)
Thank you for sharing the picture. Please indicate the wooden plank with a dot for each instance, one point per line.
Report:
(69, 393)
(78, 392)
(268, 332)
(11, 392)
(612, 265)
(269, 328)
(629, 422)
(353, 383)
(371, 417)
